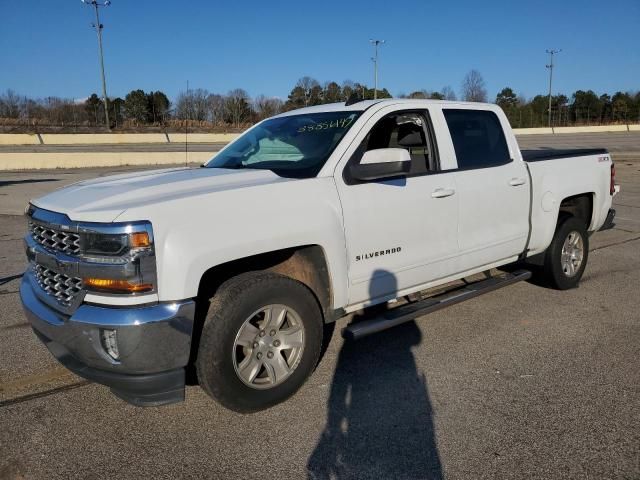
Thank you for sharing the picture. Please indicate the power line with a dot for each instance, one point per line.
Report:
(550, 67)
(375, 44)
(98, 26)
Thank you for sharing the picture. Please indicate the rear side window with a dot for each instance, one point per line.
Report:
(477, 137)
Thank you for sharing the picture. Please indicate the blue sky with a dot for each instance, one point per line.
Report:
(48, 48)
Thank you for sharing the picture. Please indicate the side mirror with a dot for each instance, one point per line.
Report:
(382, 163)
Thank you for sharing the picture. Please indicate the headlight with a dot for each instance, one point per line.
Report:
(127, 246)
(104, 244)
(114, 244)
(116, 258)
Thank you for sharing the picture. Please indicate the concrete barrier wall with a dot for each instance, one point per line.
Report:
(596, 129)
(112, 138)
(19, 139)
(532, 131)
(101, 138)
(34, 161)
(124, 138)
(203, 137)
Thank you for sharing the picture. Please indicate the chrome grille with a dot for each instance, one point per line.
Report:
(56, 240)
(60, 286)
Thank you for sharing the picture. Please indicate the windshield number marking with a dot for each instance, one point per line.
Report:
(339, 123)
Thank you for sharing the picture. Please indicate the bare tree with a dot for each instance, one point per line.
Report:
(448, 93)
(473, 87)
(10, 104)
(183, 106)
(192, 105)
(215, 105)
(237, 109)
(267, 106)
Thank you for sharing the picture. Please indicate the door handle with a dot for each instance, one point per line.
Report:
(516, 182)
(442, 192)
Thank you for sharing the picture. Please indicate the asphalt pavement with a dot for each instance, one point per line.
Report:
(615, 142)
(524, 382)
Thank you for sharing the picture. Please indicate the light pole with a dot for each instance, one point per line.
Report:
(550, 67)
(375, 44)
(98, 26)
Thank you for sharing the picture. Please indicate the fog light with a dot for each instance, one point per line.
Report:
(110, 343)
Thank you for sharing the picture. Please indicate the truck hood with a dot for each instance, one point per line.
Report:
(104, 199)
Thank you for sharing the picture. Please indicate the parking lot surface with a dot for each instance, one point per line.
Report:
(524, 382)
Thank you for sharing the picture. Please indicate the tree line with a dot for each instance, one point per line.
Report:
(583, 107)
(236, 108)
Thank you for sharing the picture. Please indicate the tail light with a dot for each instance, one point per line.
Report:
(612, 185)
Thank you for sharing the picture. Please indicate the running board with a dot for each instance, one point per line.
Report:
(411, 311)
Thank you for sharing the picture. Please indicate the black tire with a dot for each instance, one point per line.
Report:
(553, 271)
(234, 302)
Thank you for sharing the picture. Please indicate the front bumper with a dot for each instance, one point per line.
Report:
(154, 344)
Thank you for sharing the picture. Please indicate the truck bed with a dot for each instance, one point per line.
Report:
(554, 154)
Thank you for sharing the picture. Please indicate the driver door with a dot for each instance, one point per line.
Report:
(402, 232)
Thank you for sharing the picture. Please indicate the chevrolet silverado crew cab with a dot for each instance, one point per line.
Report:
(233, 270)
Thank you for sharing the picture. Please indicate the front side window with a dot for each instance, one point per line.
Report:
(478, 138)
(407, 130)
(292, 146)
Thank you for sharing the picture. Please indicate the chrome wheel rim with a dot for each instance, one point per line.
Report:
(268, 346)
(572, 254)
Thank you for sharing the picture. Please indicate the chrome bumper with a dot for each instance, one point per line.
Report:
(154, 344)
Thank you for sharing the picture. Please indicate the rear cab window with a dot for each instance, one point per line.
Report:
(478, 138)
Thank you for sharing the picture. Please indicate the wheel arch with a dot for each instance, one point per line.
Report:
(306, 264)
(579, 206)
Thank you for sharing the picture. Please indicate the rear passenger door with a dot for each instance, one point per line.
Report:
(493, 189)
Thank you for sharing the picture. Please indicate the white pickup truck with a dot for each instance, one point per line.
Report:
(232, 271)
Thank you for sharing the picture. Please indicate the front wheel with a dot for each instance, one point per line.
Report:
(566, 257)
(260, 341)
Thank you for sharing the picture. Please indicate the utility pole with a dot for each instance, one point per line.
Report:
(375, 44)
(98, 26)
(550, 67)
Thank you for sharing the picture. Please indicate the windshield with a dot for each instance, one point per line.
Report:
(292, 146)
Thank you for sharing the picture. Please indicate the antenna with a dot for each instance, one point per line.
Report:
(186, 130)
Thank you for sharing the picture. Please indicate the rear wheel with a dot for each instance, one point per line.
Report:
(566, 257)
(260, 341)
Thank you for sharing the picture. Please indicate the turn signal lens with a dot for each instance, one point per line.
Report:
(139, 240)
(117, 286)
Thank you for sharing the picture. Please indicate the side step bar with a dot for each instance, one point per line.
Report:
(408, 312)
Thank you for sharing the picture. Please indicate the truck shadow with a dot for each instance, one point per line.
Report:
(6, 183)
(379, 416)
